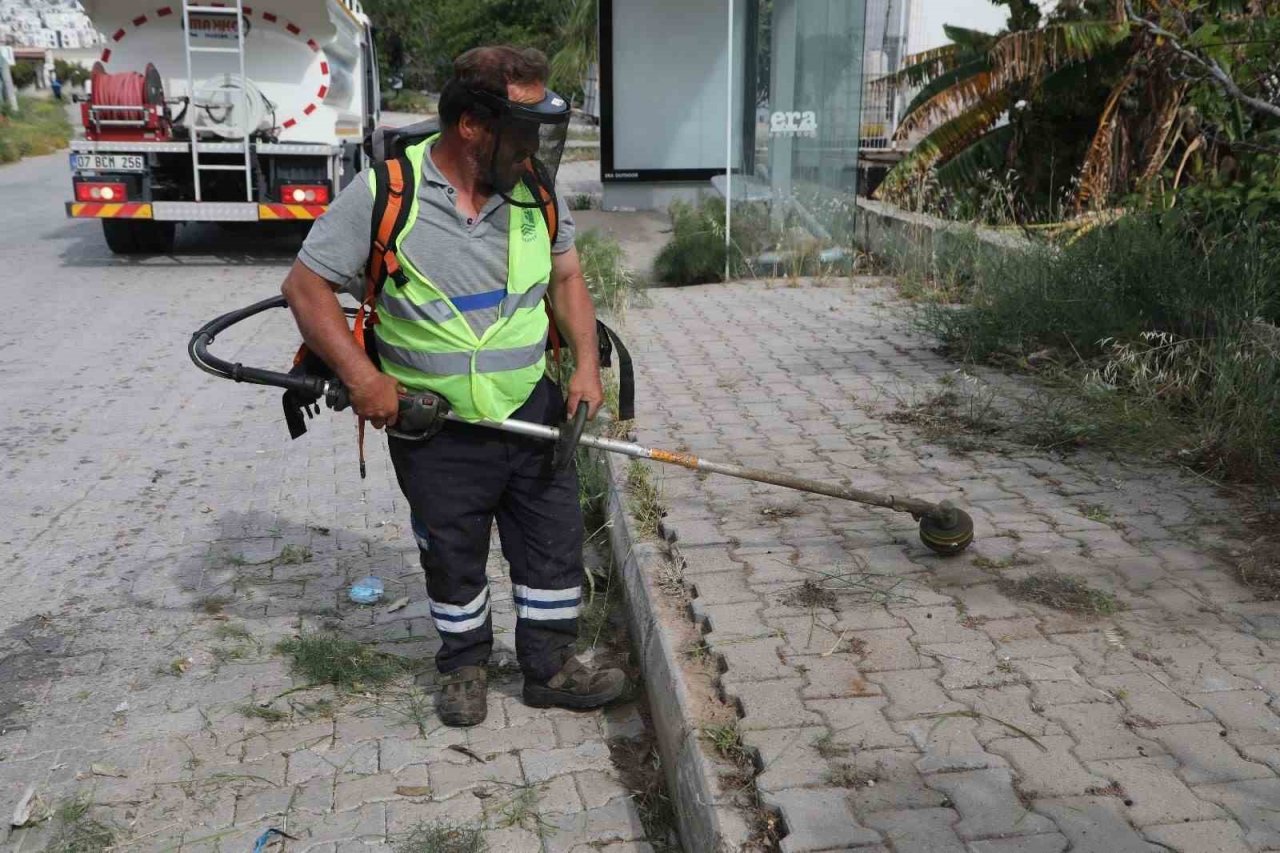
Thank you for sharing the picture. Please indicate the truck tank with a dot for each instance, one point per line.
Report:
(303, 61)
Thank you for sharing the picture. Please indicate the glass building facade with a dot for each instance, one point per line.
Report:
(759, 101)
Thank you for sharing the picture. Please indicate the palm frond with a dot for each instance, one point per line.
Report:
(975, 40)
(920, 68)
(1095, 172)
(1031, 53)
(950, 139)
(987, 154)
(945, 81)
(948, 103)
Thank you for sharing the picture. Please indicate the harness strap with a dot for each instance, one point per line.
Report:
(389, 214)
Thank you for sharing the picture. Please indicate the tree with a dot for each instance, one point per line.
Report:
(1101, 93)
(577, 48)
(70, 73)
(428, 34)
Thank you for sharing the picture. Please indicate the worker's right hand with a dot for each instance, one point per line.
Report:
(376, 397)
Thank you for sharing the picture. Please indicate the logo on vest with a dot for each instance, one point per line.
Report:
(528, 226)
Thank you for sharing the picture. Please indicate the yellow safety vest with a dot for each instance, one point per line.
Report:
(426, 343)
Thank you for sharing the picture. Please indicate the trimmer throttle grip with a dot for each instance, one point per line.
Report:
(421, 416)
(570, 435)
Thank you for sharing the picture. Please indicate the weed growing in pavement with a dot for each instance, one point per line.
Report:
(441, 836)
(522, 811)
(1061, 592)
(212, 605)
(227, 631)
(582, 201)
(1096, 512)
(848, 776)
(325, 658)
(294, 555)
(810, 595)
(827, 747)
(726, 741)
(77, 831)
(1259, 569)
(645, 499)
(260, 712)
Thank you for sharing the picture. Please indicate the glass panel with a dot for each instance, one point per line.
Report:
(806, 75)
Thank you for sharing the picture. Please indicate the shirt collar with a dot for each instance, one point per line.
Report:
(431, 174)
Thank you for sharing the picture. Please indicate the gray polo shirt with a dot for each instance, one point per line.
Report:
(465, 258)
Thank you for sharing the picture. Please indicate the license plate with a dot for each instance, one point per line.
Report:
(108, 163)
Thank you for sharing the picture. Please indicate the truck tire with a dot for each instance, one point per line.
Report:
(131, 237)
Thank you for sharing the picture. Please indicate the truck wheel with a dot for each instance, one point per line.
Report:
(155, 238)
(131, 237)
(119, 236)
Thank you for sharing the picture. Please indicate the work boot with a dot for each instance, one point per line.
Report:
(463, 696)
(576, 686)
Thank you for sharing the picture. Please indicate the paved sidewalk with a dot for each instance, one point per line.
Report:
(917, 708)
(162, 534)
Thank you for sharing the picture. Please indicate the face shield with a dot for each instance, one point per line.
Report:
(528, 141)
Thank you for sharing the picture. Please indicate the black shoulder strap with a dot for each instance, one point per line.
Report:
(609, 343)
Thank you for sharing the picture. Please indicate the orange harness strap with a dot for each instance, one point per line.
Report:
(382, 262)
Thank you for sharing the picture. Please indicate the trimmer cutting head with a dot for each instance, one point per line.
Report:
(948, 530)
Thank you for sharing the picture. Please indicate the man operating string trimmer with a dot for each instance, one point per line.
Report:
(455, 244)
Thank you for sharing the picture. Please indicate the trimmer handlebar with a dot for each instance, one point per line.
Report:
(311, 386)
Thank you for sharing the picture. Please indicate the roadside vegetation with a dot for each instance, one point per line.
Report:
(38, 127)
(1134, 146)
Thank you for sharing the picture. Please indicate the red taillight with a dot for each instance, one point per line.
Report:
(304, 194)
(111, 191)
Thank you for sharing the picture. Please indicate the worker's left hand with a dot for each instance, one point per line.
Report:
(584, 387)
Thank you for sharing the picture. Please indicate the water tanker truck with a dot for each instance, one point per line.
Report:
(220, 112)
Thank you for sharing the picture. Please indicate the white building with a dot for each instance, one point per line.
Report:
(55, 24)
(893, 32)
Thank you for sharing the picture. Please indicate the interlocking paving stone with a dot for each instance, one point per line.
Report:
(134, 514)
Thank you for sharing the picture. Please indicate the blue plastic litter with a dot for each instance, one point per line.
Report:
(366, 590)
(264, 838)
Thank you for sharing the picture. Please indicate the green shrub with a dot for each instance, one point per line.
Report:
(39, 127)
(696, 252)
(23, 73)
(70, 73)
(605, 269)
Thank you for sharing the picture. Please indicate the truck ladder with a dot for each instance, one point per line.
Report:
(190, 48)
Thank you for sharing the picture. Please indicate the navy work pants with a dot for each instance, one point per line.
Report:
(456, 483)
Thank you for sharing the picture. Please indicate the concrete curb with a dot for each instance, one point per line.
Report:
(705, 818)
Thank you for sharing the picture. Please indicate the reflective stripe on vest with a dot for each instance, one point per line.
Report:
(427, 344)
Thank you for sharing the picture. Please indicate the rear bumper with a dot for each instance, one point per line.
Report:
(193, 211)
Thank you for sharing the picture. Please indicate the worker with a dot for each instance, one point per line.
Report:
(465, 321)
(56, 84)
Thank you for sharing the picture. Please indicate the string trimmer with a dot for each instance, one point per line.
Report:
(944, 528)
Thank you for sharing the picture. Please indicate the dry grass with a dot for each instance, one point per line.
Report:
(1061, 592)
(645, 500)
(810, 596)
(1259, 569)
(78, 831)
(638, 763)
